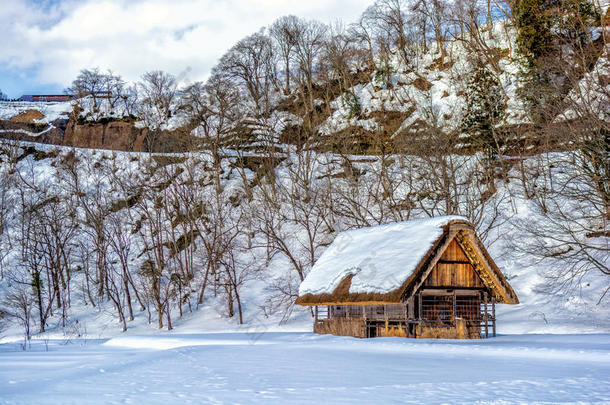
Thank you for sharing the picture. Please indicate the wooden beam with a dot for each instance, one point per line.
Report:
(469, 244)
(385, 317)
(451, 291)
(411, 308)
(453, 262)
(493, 314)
(485, 316)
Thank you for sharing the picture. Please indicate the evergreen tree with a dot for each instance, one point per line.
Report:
(539, 21)
(573, 20)
(555, 36)
(533, 25)
(484, 107)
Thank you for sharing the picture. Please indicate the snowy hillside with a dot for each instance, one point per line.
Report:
(110, 177)
(433, 84)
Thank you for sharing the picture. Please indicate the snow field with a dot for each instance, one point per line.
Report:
(301, 368)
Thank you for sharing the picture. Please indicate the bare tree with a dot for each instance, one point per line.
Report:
(157, 91)
(363, 31)
(295, 222)
(390, 17)
(129, 100)
(251, 64)
(342, 56)
(48, 228)
(6, 209)
(214, 111)
(284, 31)
(90, 83)
(310, 39)
(115, 90)
(94, 206)
(467, 21)
(434, 14)
(17, 305)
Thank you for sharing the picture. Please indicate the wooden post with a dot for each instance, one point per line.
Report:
(454, 308)
(385, 315)
(405, 322)
(493, 314)
(420, 309)
(485, 317)
(316, 315)
(410, 315)
(411, 308)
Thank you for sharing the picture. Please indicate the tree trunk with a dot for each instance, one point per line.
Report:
(241, 318)
(127, 295)
(169, 319)
(36, 283)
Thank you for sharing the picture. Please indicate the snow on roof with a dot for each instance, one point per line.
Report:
(380, 258)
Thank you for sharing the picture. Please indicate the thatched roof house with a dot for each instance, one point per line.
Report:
(423, 277)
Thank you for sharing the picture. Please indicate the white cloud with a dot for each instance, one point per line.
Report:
(59, 38)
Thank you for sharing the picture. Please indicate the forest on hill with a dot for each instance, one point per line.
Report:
(220, 195)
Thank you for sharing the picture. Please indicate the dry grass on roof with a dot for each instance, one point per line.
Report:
(341, 296)
(495, 279)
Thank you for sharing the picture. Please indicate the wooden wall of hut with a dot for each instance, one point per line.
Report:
(454, 270)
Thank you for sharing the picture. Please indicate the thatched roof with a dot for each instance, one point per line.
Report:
(389, 263)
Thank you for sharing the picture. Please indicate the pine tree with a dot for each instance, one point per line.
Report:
(537, 20)
(484, 107)
(574, 18)
(533, 24)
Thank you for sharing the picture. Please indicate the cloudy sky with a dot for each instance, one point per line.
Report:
(44, 43)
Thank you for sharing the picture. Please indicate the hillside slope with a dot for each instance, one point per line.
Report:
(103, 175)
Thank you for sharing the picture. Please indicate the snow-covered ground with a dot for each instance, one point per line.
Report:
(50, 110)
(255, 367)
